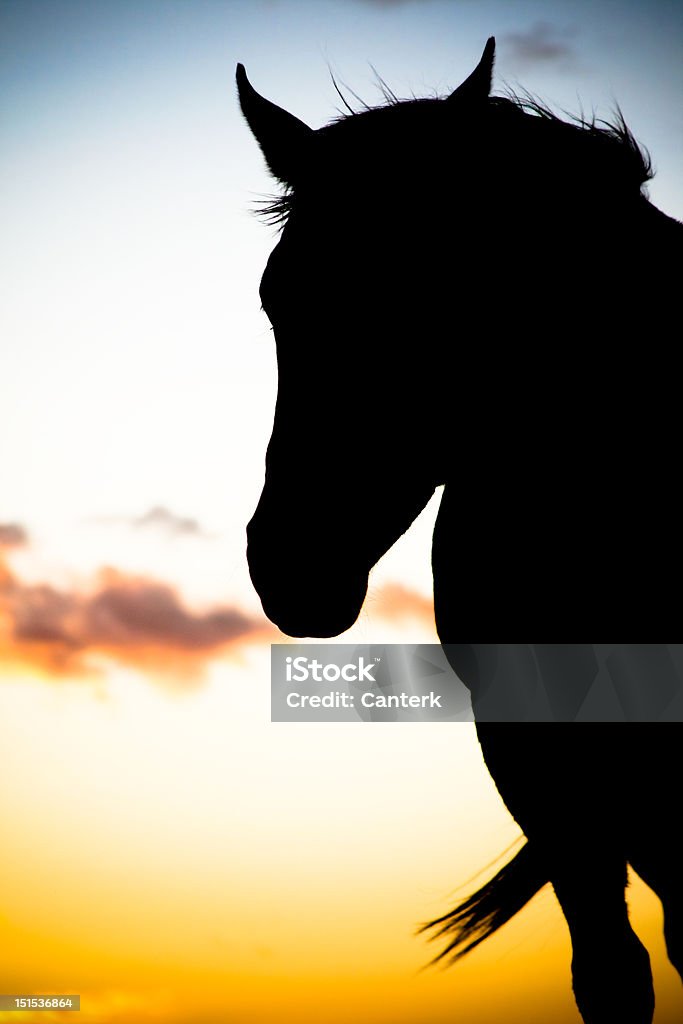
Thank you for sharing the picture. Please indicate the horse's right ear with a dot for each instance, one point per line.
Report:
(281, 136)
(477, 87)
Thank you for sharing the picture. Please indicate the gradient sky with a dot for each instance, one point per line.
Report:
(163, 842)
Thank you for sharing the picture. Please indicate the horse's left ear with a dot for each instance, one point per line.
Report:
(477, 87)
(281, 136)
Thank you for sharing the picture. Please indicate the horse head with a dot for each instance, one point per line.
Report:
(354, 455)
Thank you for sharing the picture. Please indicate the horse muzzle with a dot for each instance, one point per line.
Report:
(303, 596)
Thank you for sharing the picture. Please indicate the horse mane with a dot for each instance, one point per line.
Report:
(604, 143)
(613, 137)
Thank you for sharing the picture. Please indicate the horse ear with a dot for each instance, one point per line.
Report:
(477, 87)
(281, 136)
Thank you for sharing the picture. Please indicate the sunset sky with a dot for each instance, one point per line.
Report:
(167, 852)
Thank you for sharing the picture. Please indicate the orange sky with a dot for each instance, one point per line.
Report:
(166, 851)
(172, 856)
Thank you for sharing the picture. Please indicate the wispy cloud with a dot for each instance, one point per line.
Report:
(160, 518)
(131, 620)
(163, 519)
(392, 3)
(543, 43)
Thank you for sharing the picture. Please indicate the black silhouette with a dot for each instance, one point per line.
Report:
(471, 291)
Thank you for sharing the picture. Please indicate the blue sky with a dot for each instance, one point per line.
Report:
(127, 169)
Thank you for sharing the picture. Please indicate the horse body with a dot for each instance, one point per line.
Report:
(471, 292)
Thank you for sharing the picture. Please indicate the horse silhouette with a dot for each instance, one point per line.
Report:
(474, 292)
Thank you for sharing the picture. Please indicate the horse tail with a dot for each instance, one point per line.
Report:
(490, 907)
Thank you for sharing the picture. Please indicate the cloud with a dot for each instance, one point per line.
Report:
(543, 43)
(136, 622)
(131, 620)
(12, 535)
(128, 612)
(161, 518)
(390, 3)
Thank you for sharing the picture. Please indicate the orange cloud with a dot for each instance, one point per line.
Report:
(136, 622)
(396, 603)
(12, 535)
(132, 620)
